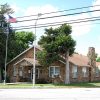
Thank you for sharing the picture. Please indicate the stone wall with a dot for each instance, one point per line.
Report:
(44, 72)
(28, 54)
(92, 62)
(80, 77)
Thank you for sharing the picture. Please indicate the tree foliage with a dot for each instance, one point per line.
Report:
(4, 9)
(19, 43)
(56, 42)
(98, 59)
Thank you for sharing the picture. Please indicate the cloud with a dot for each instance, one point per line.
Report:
(98, 38)
(79, 29)
(82, 28)
(97, 13)
(15, 8)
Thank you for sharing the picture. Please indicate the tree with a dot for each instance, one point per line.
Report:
(98, 59)
(17, 41)
(4, 9)
(20, 42)
(56, 43)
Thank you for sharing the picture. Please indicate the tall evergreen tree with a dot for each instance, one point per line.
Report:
(17, 41)
(4, 9)
(56, 43)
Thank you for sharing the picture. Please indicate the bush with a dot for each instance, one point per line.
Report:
(41, 81)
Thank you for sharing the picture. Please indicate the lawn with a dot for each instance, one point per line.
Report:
(74, 85)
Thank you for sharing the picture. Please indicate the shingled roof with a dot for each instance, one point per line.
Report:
(30, 60)
(79, 60)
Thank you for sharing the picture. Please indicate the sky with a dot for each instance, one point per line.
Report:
(86, 34)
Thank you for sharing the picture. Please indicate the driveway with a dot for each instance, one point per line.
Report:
(50, 94)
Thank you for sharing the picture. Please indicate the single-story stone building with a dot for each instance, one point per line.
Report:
(81, 68)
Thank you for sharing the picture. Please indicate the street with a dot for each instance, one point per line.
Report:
(50, 94)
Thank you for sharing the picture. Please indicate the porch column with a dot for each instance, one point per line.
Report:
(17, 74)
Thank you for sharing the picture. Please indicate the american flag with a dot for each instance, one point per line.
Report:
(11, 19)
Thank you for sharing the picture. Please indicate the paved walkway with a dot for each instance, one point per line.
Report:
(50, 94)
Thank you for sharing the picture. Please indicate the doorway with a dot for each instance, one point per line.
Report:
(90, 74)
(36, 73)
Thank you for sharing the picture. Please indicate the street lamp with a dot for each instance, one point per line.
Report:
(34, 64)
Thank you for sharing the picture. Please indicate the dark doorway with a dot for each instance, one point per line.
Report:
(90, 74)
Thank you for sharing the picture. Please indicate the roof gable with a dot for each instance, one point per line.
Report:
(38, 47)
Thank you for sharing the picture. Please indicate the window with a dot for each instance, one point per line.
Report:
(54, 70)
(37, 73)
(97, 72)
(20, 71)
(74, 71)
(84, 71)
(14, 71)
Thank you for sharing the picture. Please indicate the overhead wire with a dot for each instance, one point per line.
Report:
(83, 12)
(58, 24)
(61, 11)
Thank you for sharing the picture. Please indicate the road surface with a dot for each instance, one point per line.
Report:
(50, 94)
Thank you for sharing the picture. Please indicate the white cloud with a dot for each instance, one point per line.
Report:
(98, 38)
(96, 13)
(78, 29)
(15, 8)
(83, 28)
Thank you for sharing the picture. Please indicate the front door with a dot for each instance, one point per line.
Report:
(90, 74)
(36, 73)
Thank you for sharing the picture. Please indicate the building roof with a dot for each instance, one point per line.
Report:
(38, 47)
(79, 60)
(29, 60)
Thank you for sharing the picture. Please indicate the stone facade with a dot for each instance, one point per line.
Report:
(10, 65)
(43, 72)
(92, 63)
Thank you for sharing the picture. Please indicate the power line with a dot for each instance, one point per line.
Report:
(62, 15)
(59, 24)
(74, 26)
(61, 11)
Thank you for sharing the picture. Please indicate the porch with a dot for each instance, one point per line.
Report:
(23, 70)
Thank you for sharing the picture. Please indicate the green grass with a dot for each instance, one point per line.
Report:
(74, 85)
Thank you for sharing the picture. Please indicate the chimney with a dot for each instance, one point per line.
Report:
(92, 62)
(92, 56)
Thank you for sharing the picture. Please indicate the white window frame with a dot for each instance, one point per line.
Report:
(84, 71)
(97, 72)
(54, 71)
(74, 71)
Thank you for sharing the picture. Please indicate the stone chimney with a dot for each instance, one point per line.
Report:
(92, 62)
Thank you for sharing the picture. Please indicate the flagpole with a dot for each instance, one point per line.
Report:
(7, 33)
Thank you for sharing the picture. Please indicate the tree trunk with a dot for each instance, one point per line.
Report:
(67, 79)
